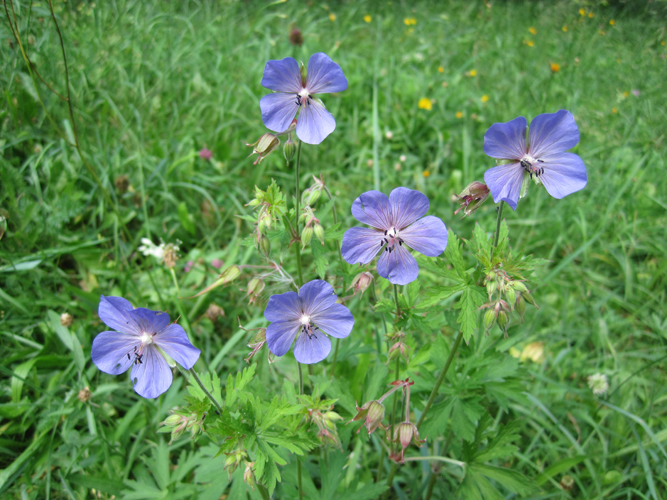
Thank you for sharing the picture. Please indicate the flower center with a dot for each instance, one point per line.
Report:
(303, 98)
(307, 328)
(146, 339)
(305, 320)
(138, 351)
(390, 239)
(531, 165)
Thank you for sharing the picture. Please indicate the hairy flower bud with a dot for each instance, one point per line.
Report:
(472, 197)
(361, 282)
(255, 287)
(264, 146)
(529, 298)
(66, 319)
(491, 287)
(503, 319)
(372, 413)
(306, 236)
(233, 460)
(249, 475)
(489, 319)
(230, 274)
(289, 149)
(318, 231)
(511, 296)
(398, 349)
(405, 433)
(519, 286)
(264, 221)
(262, 244)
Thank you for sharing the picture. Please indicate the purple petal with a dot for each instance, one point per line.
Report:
(116, 312)
(564, 174)
(407, 205)
(324, 75)
(110, 350)
(428, 236)
(504, 181)
(283, 76)
(149, 321)
(552, 133)
(398, 266)
(315, 123)
(316, 296)
(506, 141)
(174, 341)
(280, 335)
(372, 208)
(152, 376)
(312, 349)
(361, 245)
(278, 111)
(283, 307)
(336, 321)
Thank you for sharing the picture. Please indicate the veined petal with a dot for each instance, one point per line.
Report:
(174, 341)
(278, 111)
(373, 208)
(552, 133)
(311, 349)
(315, 123)
(398, 266)
(324, 75)
(116, 312)
(407, 205)
(506, 141)
(280, 335)
(336, 321)
(564, 174)
(283, 76)
(150, 321)
(428, 236)
(110, 350)
(316, 296)
(504, 181)
(283, 307)
(152, 376)
(361, 245)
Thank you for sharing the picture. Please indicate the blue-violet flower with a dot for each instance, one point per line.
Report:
(140, 339)
(543, 159)
(295, 92)
(308, 316)
(397, 221)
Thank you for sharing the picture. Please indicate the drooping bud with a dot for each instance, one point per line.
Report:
(489, 319)
(264, 221)
(306, 236)
(66, 319)
(511, 296)
(256, 343)
(233, 461)
(529, 298)
(262, 244)
(503, 319)
(289, 149)
(472, 197)
(264, 146)
(255, 287)
(399, 349)
(405, 433)
(318, 231)
(230, 274)
(491, 287)
(519, 286)
(249, 475)
(372, 413)
(520, 306)
(361, 282)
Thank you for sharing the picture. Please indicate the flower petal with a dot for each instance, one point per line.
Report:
(116, 313)
(398, 266)
(312, 349)
(152, 376)
(149, 321)
(280, 335)
(324, 75)
(336, 321)
(407, 205)
(283, 307)
(110, 350)
(283, 76)
(428, 236)
(552, 133)
(278, 111)
(372, 208)
(506, 141)
(361, 245)
(316, 296)
(504, 181)
(315, 123)
(175, 342)
(564, 174)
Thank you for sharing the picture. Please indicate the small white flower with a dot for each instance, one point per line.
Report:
(598, 383)
(149, 248)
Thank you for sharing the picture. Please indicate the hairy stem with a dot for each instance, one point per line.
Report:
(297, 243)
(398, 307)
(498, 221)
(203, 388)
(263, 491)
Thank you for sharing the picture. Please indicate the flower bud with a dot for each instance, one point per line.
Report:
(231, 273)
(205, 154)
(491, 287)
(249, 475)
(172, 420)
(372, 413)
(405, 433)
(264, 146)
(262, 244)
(233, 460)
(306, 236)
(66, 319)
(264, 222)
(511, 296)
(361, 282)
(255, 287)
(398, 349)
(519, 286)
(318, 230)
(503, 319)
(529, 298)
(289, 149)
(472, 197)
(489, 319)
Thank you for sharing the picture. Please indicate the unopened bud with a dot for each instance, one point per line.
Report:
(520, 306)
(361, 282)
(289, 149)
(503, 319)
(529, 298)
(318, 230)
(398, 349)
(66, 319)
(264, 222)
(255, 287)
(489, 319)
(511, 296)
(491, 287)
(306, 236)
(172, 420)
(231, 273)
(233, 460)
(472, 197)
(264, 146)
(249, 475)
(262, 244)
(519, 286)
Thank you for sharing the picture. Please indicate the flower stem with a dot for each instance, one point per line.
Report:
(438, 383)
(203, 388)
(498, 221)
(300, 378)
(179, 302)
(398, 308)
(297, 243)
(263, 491)
(298, 461)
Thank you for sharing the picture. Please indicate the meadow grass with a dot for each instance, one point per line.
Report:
(154, 82)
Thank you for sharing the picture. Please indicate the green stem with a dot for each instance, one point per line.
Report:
(297, 243)
(380, 466)
(498, 221)
(263, 491)
(434, 475)
(298, 472)
(333, 363)
(398, 308)
(203, 388)
(179, 303)
(438, 383)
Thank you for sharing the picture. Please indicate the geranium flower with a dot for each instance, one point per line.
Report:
(294, 93)
(543, 159)
(308, 316)
(140, 339)
(397, 222)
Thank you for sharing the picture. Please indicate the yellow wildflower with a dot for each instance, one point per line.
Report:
(662, 43)
(582, 12)
(614, 110)
(426, 173)
(564, 28)
(441, 69)
(531, 43)
(472, 72)
(612, 22)
(459, 114)
(368, 18)
(410, 20)
(425, 103)
(485, 98)
(590, 14)
(532, 30)
(534, 352)
(332, 17)
(555, 67)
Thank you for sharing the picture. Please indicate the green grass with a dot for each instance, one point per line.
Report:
(154, 82)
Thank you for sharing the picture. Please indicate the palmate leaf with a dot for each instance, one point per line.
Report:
(212, 384)
(321, 262)
(471, 298)
(235, 388)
